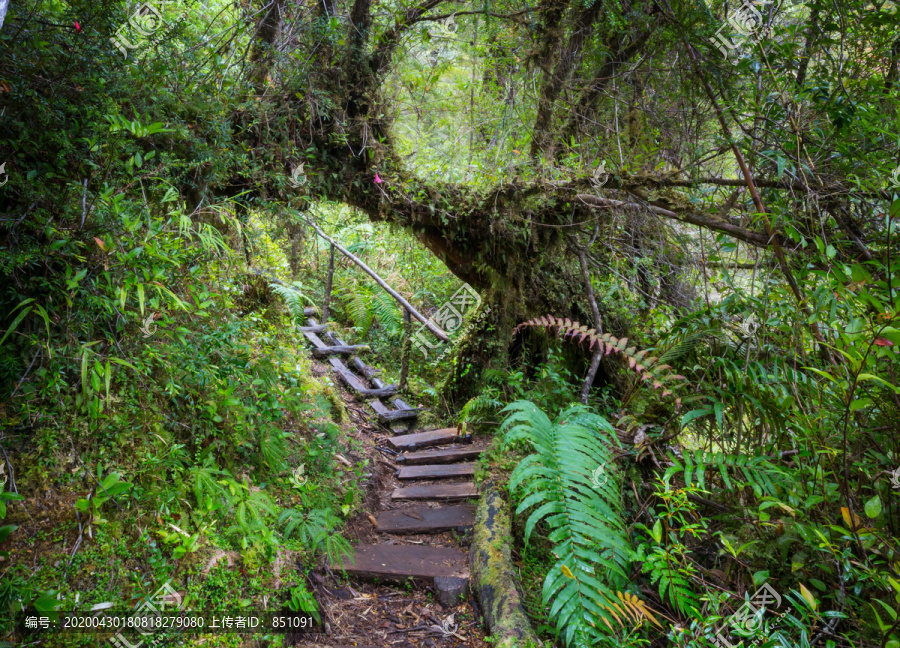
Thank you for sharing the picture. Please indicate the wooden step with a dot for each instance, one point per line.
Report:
(425, 439)
(354, 383)
(321, 352)
(440, 456)
(426, 520)
(314, 339)
(399, 562)
(437, 471)
(436, 492)
(386, 415)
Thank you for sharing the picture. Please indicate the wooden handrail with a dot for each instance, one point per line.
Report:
(431, 326)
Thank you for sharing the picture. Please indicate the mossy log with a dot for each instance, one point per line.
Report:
(493, 577)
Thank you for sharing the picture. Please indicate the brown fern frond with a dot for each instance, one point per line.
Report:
(644, 367)
(635, 610)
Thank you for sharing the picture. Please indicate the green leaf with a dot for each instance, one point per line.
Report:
(6, 530)
(15, 323)
(140, 292)
(694, 414)
(868, 376)
(873, 507)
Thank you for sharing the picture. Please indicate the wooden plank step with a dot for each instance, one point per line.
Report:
(401, 415)
(321, 352)
(426, 520)
(387, 415)
(355, 383)
(425, 439)
(440, 456)
(363, 368)
(360, 366)
(390, 561)
(436, 492)
(440, 471)
(315, 340)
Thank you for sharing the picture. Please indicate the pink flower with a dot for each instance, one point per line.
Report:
(77, 26)
(378, 180)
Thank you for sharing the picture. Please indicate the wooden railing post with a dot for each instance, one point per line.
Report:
(328, 281)
(407, 343)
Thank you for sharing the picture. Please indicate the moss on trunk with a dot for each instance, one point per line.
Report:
(493, 577)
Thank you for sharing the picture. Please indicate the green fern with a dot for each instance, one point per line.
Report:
(272, 449)
(315, 529)
(672, 579)
(293, 297)
(687, 344)
(475, 408)
(208, 491)
(356, 300)
(366, 307)
(757, 472)
(584, 516)
(648, 368)
(386, 312)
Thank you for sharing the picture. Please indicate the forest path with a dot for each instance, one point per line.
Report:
(407, 586)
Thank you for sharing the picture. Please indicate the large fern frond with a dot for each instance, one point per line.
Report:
(357, 302)
(757, 472)
(559, 485)
(648, 368)
(293, 297)
(387, 314)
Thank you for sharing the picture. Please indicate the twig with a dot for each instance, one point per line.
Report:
(12, 478)
(83, 205)
(27, 371)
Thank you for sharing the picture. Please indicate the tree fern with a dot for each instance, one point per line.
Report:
(648, 368)
(584, 515)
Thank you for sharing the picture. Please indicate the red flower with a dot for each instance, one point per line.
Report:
(77, 27)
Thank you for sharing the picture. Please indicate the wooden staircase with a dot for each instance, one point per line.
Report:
(441, 458)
